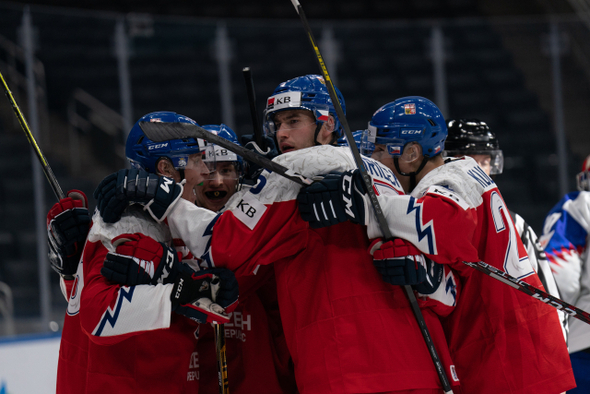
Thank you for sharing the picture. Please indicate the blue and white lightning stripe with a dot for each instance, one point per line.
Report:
(423, 231)
(137, 308)
(112, 315)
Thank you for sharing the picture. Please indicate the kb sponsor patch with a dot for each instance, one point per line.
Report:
(249, 211)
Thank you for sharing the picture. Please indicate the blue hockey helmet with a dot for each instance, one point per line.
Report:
(408, 119)
(357, 135)
(222, 154)
(144, 153)
(308, 92)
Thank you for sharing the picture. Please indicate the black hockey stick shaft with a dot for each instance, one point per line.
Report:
(375, 203)
(160, 131)
(253, 112)
(24, 125)
(531, 290)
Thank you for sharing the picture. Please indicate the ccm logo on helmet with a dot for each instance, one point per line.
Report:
(411, 132)
(157, 146)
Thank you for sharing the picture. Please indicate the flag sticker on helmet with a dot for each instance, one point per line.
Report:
(394, 149)
(284, 100)
(323, 115)
(410, 109)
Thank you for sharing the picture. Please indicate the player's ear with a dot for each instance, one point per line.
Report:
(165, 167)
(325, 135)
(412, 152)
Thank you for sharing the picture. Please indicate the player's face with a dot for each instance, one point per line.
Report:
(195, 173)
(484, 161)
(219, 186)
(296, 130)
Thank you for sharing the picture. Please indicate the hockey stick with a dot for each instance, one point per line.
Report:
(219, 333)
(221, 359)
(160, 131)
(253, 113)
(375, 203)
(23, 123)
(534, 292)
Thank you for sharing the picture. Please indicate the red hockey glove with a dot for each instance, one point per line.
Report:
(139, 259)
(68, 223)
(401, 263)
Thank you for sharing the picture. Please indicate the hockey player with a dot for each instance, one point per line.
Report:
(257, 357)
(501, 340)
(565, 239)
(346, 329)
(473, 138)
(142, 337)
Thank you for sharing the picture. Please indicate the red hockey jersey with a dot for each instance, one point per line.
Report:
(347, 330)
(502, 340)
(136, 344)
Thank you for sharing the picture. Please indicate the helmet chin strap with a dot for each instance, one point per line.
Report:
(412, 175)
(318, 127)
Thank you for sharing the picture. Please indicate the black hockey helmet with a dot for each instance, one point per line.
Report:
(473, 137)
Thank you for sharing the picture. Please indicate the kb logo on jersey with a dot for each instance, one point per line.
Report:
(247, 209)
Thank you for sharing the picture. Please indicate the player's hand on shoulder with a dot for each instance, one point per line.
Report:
(338, 197)
(68, 223)
(157, 194)
(205, 296)
(139, 259)
(401, 263)
(268, 150)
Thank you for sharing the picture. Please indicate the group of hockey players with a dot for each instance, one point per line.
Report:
(321, 306)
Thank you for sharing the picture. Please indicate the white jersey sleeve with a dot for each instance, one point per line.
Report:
(565, 241)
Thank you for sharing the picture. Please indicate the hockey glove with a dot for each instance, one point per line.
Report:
(68, 223)
(118, 190)
(268, 150)
(336, 198)
(400, 263)
(140, 260)
(205, 296)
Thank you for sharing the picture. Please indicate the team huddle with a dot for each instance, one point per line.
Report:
(310, 292)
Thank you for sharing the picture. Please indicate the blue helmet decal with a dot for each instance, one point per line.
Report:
(308, 92)
(408, 119)
(144, 153)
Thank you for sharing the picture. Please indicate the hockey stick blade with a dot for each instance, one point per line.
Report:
(531, 290)
(162, 131)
